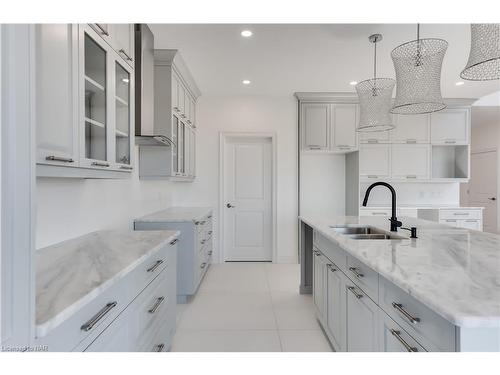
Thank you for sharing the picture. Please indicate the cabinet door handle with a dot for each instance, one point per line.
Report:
(209, 232)
(156, 306)
(379, 213)
(128, 168)
(99, 164)
(210, 252)
(103, 30)
(159, 348)
(154, 266)
(58, 158)
(461, 213)
(408, 347)
(371, 140)
(406, 314)
(356, 273)
(372, 176)
(97, 317)
(174, 241)
(450, 141)
(314, 148)
(353, 290)
(203, 265)
(331, 268)
(317, 253)
(411, 176)
(203, 242)
(122, 51)
(411, 141)
(492, 199)
(209, 216)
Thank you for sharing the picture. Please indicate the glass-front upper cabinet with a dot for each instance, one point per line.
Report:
(95, 102)
(123, 120)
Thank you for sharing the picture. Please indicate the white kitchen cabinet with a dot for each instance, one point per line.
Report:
(320, 288)
(315, 126)
(393, 338)
(56, 95)
(470, 224)
(84, 103)
(336, 306)
(374, 161)
(106, 105)
(344, 124)
(362, 321)
(411, 129)
(410, 162)
(450, 126)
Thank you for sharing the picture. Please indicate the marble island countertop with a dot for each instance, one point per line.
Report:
(72, 273)
(176, 214)
(455, 272)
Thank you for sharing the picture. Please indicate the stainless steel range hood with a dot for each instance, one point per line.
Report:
(145, 132)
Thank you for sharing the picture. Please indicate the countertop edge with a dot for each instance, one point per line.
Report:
(145, 219)
(43, 329)
(457, 320)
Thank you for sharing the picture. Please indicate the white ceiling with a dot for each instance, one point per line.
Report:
(283, 59)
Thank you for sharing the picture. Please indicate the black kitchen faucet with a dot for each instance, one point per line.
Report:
(395, 223)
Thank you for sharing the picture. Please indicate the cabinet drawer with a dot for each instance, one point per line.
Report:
(427, 327)
(151, 268)
(393, 338)
(330, 250)
(363, 276)
(460, 214)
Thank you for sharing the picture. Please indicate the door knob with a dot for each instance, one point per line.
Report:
(229, 205)
(492, 199)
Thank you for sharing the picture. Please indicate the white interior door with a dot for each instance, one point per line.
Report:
(483, 187)
(247, 201)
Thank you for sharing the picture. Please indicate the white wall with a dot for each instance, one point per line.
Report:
(68, 208)
(218, 114)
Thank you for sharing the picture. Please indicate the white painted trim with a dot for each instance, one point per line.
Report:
(223, 136)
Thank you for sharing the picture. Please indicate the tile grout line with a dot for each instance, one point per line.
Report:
(266, 270)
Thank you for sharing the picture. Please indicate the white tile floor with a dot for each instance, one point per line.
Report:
(249, 307)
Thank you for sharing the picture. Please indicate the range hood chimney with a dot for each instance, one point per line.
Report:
(145, 134)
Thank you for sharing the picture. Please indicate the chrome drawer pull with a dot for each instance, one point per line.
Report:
(57, 158)
(210, 252)
(411, 141)
(371, 140)
(408, 347)
(372, 176)
(203, 265)
(103, 30)
(406, 314)
(97, 317)
(210, 232)
(126, 167)
(209, 216)
(203, 242)
(122, 51)
(317, 253)
(411, 176)
(159, 348)
(174, 241)
(450, 141)
(98, 164)
(155, 266)
(356, 273)
(157, 304)
(353, 290)
(461, 213)
(330, 267)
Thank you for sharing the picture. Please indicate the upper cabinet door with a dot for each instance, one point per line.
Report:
(410, 162)
(450, 126)
(315, 126)
(411, 129)
(122, 35)
(374, 161)
(123, 114)
(344, 124)
(56, 64)
(94, 62)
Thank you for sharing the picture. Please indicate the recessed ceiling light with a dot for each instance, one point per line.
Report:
(246, 33)
(246, 82)
(353, 83)
(460, 83)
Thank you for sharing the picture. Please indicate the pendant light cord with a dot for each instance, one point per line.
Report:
(375, 61)
(418, 60)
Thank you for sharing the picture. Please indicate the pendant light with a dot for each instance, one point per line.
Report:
(484, 56)
(375, 98)
(418, 75)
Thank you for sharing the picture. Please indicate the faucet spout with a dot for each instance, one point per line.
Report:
(395, 223)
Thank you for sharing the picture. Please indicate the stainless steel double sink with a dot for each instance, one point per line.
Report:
(365, 233)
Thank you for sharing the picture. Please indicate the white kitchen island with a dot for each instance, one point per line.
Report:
(439, 292)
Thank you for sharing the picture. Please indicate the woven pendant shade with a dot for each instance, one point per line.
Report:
(375, 99)
(484, 56)
(418, 75)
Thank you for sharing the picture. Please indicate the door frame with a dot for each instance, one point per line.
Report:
(223, 140)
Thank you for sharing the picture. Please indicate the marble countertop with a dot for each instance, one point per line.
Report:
(176, 214)
(455, 272)
(72, 273)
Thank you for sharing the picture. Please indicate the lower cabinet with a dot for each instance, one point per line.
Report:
(357, 319)
(362, 321)
(336, 307)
